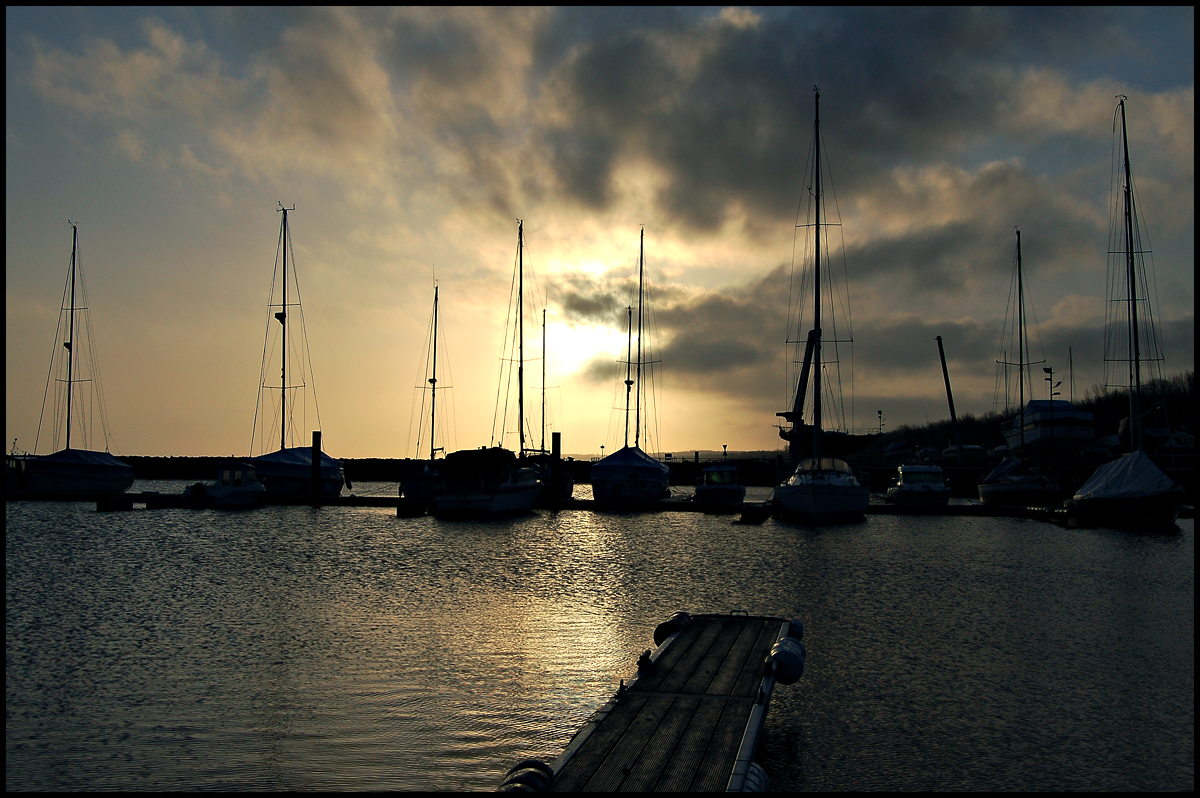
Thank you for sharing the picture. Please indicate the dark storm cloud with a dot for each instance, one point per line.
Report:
(719, 341)
(899, 85)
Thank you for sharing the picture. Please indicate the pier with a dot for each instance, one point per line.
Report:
(689, 721)
(750, 512)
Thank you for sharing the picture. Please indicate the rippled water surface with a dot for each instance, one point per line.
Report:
(346, 648)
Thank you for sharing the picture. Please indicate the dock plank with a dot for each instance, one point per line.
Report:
(712, 773)
(576, 773)
(679, 726)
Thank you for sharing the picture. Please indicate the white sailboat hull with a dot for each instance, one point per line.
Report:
(822, 500)
(822, 496)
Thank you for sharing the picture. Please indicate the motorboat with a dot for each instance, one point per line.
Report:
(719, 486)
(918, 484)
(236, 488)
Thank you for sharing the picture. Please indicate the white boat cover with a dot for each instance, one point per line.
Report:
(629, 459)
(1129, 476)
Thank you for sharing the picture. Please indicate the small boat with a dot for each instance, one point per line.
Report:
(1131, 490)
(921, 485)
(71, 470)
(629, 475)
(485, 482)
(236, 488)
(288, 470)
(1008, 485)
(822, 487)
(719, 486)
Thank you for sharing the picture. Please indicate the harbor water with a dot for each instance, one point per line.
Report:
(287, 648)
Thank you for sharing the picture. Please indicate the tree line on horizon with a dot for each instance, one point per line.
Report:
(1168, 401)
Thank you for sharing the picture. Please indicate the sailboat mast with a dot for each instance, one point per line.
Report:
(1135, 398)
(628, 365)
(1020, 337)
(637, 425)
(817, 287)
(433, 382)
(70, 342)
(543, 444)
(282, 316)
(521, 334)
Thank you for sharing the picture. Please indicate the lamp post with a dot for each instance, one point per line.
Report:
(1053, 393)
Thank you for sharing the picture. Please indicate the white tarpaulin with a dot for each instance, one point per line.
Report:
(1128, 476)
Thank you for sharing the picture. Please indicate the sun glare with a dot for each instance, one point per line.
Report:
(573, 347)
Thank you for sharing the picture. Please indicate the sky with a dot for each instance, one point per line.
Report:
(410, 141)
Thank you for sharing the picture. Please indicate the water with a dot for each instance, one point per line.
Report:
(348, 649)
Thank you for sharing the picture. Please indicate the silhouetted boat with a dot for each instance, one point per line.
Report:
(494, 481)
(422, 484)
(918, 484)
(719, 485)
(485, 482)
(629, 474)
(288, 471)
(1011, 483)
(822, 486)
(70, 470)
(1131, 490)
(236, 488)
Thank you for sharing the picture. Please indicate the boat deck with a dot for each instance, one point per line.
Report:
(689, 722)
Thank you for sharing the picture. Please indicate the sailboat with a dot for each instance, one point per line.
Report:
(423, 484)
(822, 487)
(1130, 490)
(629, 475)
(288, 471)
(1009, 483)
(1042, 426)
(557, 483)
(71, 470)
(493, 481)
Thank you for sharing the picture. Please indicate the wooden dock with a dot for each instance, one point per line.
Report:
(689, 721)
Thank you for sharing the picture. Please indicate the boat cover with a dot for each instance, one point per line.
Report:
(1129, 476)
(630, 459)
(1006, 467)
(295, 463)
(90, 458)
(473, 468)
(73, 471)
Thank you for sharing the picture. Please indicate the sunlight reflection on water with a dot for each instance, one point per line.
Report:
(346, 648)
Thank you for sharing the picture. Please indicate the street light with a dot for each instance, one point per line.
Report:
(1053, 393)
